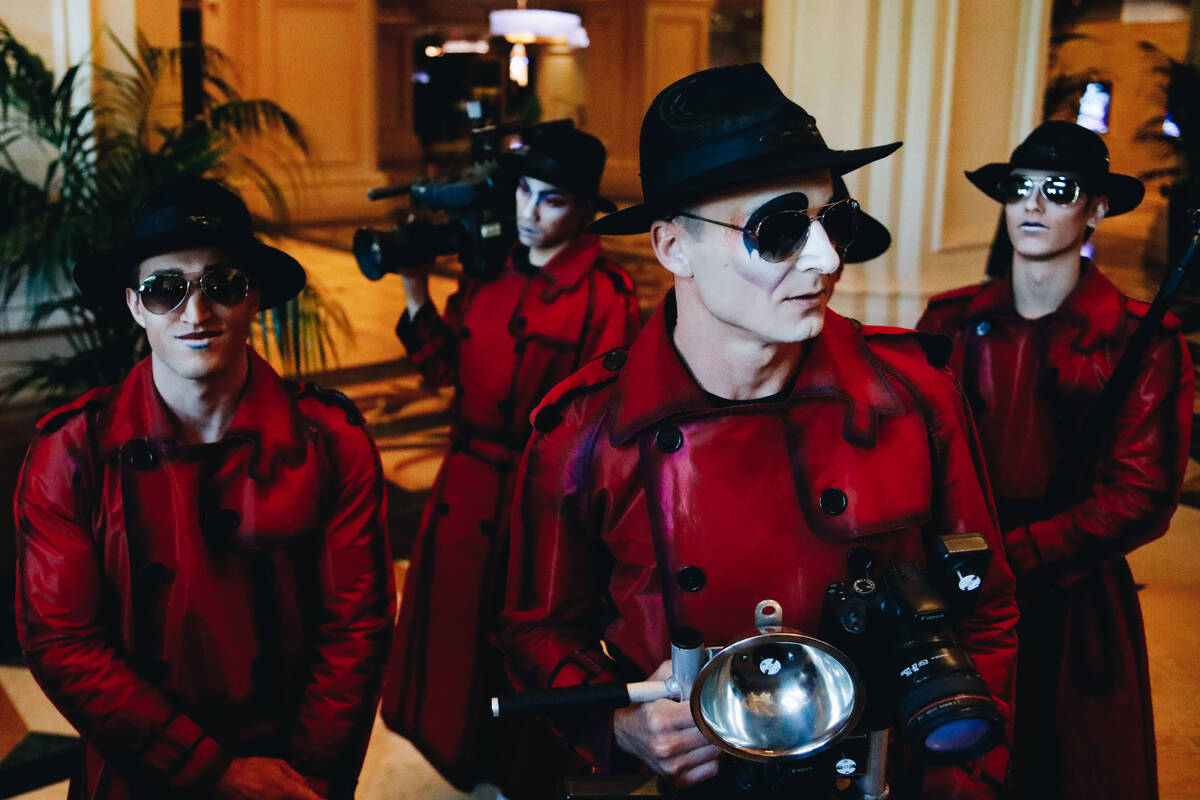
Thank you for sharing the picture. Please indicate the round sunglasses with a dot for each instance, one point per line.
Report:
(165, 292)
(779, 234)
(1058, 189)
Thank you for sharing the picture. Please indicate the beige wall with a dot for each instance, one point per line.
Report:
(958, 81)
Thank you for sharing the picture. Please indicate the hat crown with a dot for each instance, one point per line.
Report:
(564, 156)
(1058, 144)
(715, 118)
(189, 205)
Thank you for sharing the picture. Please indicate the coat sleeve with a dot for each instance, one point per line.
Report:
(357, 596)
(1138, 479)
(962, 502)
(432, 340)
(558, 578)
(68, 635)
(615, 317)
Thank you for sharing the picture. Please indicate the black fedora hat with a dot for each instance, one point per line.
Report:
(559, 154)
(728, 127)
(182, 213)
(1064, 146)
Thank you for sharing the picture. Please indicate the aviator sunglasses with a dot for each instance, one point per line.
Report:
(779, 234)
(164, 292)
(1057, 189)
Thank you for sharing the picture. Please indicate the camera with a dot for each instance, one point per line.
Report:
(470, 214)
(897, 630)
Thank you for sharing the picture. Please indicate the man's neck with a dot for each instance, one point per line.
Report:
(737, 366)
(202, 409)
(1041, 285)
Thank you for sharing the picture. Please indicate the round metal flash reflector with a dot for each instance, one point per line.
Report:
(777, 695)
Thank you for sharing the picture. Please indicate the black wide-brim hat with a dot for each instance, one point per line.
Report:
(559, 154)
(1063, 146)
(728, 127)
(183, 213)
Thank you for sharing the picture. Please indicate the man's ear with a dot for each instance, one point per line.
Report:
(667, 240)
(135, 307)
(1097, 210)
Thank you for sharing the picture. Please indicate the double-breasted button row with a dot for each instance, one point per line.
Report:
(668, 439)
(833, 502)
(139, 455)
(691, 579)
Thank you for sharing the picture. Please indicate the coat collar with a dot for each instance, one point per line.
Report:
(655, 383)
(267, 416)
(1095, 306)
(568, 267)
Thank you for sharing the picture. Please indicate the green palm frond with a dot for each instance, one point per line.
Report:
(101, 157)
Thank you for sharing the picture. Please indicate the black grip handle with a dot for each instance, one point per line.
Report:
(590, 697)
(384, 192)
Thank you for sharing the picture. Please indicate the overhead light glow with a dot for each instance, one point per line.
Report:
(538, 25)
(432, 51)
(464, 46)
(518, 65)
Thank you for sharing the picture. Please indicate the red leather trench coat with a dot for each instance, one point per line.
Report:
(503, 344)
(642, 505)
(1084, 722)
(183, 605)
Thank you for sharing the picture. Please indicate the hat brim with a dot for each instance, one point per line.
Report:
(727, 177)
(103, 277)
(1124, 192)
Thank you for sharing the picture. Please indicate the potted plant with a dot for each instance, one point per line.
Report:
(101, 155)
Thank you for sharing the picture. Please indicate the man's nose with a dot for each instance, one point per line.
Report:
(1033, 200)
(196, 306)
(818, 251)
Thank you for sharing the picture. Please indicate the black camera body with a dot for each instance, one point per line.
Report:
(471, 214)
(897, 631)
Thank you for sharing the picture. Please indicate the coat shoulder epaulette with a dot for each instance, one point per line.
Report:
(60, 416)
(935, 348)
(330, 398)
(961, 295)
(593, 376)
(621, 280)
(1139, 308)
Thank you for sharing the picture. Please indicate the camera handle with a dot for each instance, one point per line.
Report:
(687, 657)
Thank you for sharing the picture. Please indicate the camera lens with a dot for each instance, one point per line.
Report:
(945, 708)
(369, 251)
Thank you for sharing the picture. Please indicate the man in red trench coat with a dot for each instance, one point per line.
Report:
(747, 440)
(1034, 349)
(502, 344)
(204, 584)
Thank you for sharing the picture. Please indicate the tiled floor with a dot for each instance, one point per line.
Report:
(408, 423)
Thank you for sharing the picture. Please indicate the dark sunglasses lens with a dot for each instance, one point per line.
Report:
(780, 234)
(1062, 191)
(225, 286)
(161, 293)
(840, 222)
(1014, 188)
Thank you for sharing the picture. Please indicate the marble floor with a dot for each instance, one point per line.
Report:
(408, 423)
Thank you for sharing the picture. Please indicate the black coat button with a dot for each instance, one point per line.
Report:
(223, 520)
(547, 419)
(691, 579)
(139, 455)
(668, 439)
(463, 333)
(613, 360)
(833, 502)
(519, 323)
(158, 574)
(983, 328)
(443, 508)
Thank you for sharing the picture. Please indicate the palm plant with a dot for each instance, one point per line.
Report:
(100, 157)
